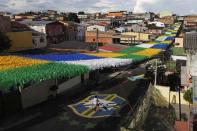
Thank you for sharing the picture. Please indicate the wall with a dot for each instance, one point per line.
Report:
(55, 33)
(139, 36)
(20, 40)
(105, 38)
(39, 41)
(164, 90)
(180, 41)
(68, 84)
(36, 94)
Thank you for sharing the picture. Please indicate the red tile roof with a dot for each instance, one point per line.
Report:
(181, 126)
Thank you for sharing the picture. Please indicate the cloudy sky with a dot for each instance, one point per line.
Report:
(176, 6)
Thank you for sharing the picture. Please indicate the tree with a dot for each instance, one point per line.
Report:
(81, 13)
(72, 17)
(188, 96)
(5, 42)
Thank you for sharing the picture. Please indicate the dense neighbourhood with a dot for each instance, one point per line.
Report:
(141, 66)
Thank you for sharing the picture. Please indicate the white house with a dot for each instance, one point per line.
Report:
(99, 27)
(157, 24)
(39, 26)
(39, 40)
(82, 16)
(121, 29)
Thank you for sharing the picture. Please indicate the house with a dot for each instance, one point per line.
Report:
(54, 30)
(102, 27)
(103, 37)
(70, 29)
(144, 16)
(190, 22)
(5, 25)
(121, 29)
(123, 39)
(106, 20)
(138, 28)
(7, 14)
(167, 20)
(82, 16)
(190, 46)
(139, 36)
(81, 32)
(115, 14)
(134, 21)
(155, 31)
(38, 39)
(157, 24)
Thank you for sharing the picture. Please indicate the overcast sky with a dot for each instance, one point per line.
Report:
(176, 6)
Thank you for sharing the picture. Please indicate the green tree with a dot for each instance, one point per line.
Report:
(72, 17)
(81, 13)
(188, 96)
(5, 42)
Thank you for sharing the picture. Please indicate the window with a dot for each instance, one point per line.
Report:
(41, 40)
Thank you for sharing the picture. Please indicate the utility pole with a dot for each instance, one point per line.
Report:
(156, 74)
(179, 102)
(97, 41)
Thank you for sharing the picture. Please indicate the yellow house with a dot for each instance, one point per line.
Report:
(138, 36)
(20, 40)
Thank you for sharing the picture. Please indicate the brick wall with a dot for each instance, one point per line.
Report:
(105, 38)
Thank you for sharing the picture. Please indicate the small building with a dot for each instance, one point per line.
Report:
(100, 27)
(138, 28)
(167, 20)
(121, 29)
(82, 16)
(39, 40)
(54, 30)
(103, 37)
(81, 32)
(123, 39)
(139, 36)
(5, 25)
(190, 23)
(144, 16)
(155, 31)
(157, 24)
(179, 42)
(106, 20)
(118, 14)
(70, 29)
(134, 21)
(190, 46)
